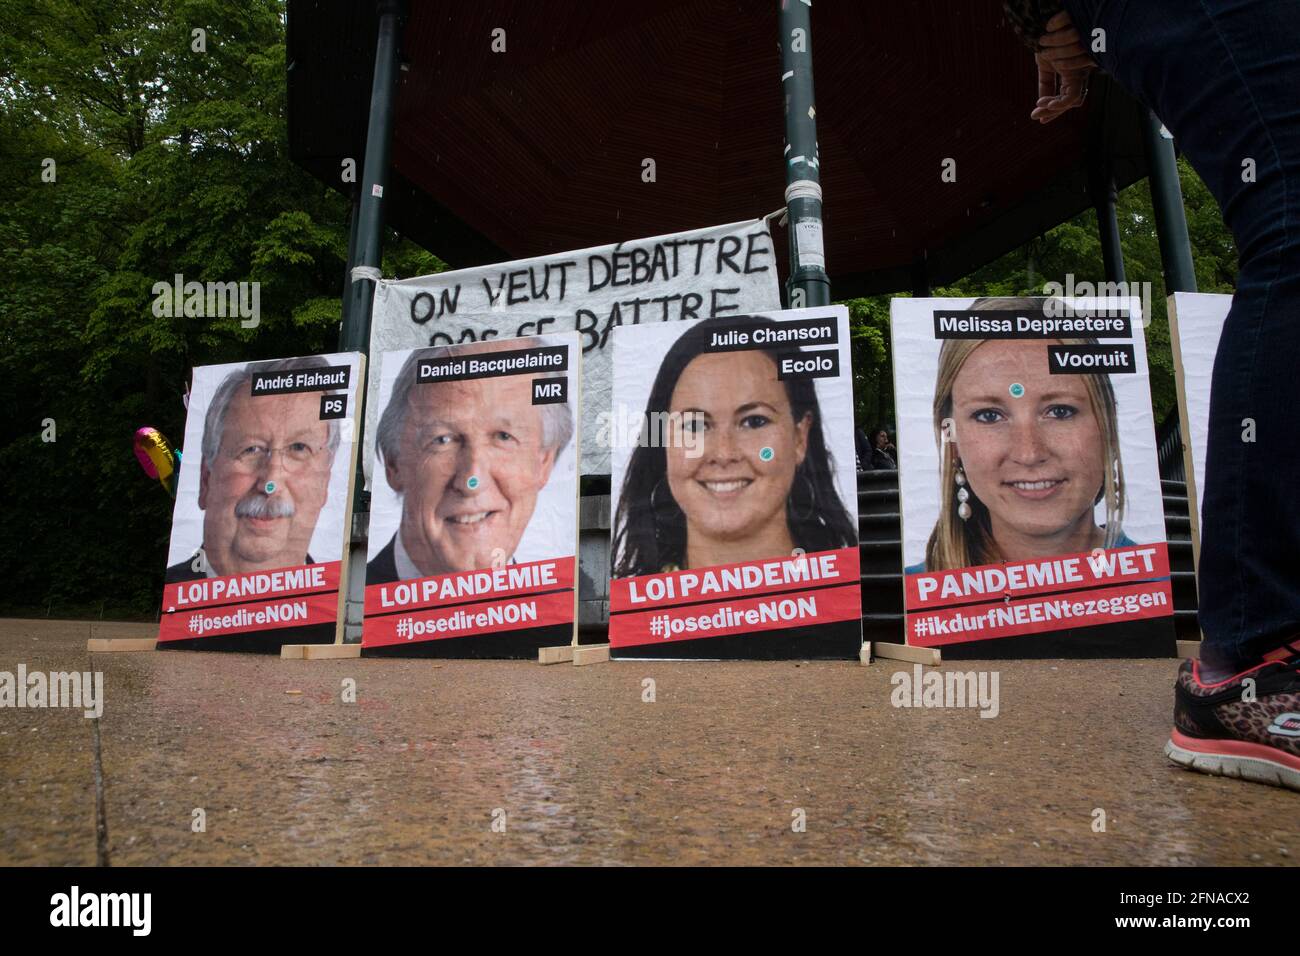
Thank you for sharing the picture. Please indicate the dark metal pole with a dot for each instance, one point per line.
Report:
(920, 279)
(374, 177)
(1167, 201)
(366, 242)
(809, 284)
(354, 217)
(1104, 199)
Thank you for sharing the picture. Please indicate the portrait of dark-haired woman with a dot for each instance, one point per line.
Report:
(732, 464)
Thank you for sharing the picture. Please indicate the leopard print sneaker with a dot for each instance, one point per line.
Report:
(1247, 726)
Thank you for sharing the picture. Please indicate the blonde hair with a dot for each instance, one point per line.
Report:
(957, 543)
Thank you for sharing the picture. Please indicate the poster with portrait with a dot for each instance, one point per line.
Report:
(1033, 522)
(263, 505)
(474, 513)
(1195, 324)
(734, 492)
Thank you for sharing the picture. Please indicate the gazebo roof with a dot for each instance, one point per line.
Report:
(540, 149)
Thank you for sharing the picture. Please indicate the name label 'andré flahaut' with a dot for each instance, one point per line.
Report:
(302, 380)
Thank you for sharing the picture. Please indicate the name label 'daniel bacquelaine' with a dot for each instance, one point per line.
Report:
(493, 364)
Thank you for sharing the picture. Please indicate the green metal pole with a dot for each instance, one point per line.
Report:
(365, 254)
(374, 177)
(367, 238)
(353, 218)
(1104, 200)
(809, 283)
(1167, 201)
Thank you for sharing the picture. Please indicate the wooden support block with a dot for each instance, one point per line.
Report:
(1190, 649)
(291, 652)
(117, 630)
(106, 645)
(864, 655)
(555, 655)
(590, 654)
(331, 652)
(929, 656)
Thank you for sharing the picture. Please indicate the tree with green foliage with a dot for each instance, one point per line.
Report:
(133, 149)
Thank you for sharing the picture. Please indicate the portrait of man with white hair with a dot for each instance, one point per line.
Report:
(265, 462)
(468, 439)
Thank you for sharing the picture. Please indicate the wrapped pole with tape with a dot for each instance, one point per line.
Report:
(370, 210)
(366, 244)
(809, 284)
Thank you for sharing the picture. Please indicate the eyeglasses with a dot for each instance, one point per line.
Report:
(254, 458)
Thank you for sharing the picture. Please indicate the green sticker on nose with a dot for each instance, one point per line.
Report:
(270, 487)
(471, 482)
(1016, 390)
(766, 453)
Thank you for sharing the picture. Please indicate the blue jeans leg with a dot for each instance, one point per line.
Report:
(1224, 77)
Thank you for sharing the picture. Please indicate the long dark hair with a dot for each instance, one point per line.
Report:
(649, 526)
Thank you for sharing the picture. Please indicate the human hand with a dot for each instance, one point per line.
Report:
(1061, 46)
(1063, 68)
(1058, 93)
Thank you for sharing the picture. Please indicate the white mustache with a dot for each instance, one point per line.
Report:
(260, 506)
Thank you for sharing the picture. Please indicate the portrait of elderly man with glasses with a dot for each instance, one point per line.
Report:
(264, 475)
(468, 458)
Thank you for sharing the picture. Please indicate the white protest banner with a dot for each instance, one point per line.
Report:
(1033, 521)
(1195, 324)
(474, 516)
(263, 505)
(734, 492)
(722, 270)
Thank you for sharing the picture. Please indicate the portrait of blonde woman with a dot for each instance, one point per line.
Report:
(1030, 463)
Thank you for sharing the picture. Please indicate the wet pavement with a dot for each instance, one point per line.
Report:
(465, 762)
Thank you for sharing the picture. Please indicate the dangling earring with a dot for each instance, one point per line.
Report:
(963, 496)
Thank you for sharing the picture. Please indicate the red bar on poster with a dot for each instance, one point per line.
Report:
(489, 617)
(465, 586)
(741, 580)
(293, 611)
(737, 616)
(957, 625)
(1066, 572)
(182, 596)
